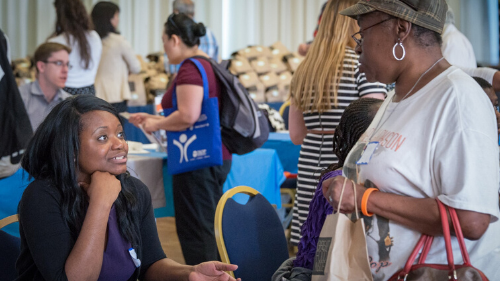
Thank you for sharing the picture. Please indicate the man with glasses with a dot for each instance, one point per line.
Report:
(40, 96)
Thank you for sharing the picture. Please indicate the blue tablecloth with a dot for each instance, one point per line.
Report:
(11, 191)
(260, 170)
(287, 151)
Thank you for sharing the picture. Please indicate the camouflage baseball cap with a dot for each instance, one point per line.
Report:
(430, 14)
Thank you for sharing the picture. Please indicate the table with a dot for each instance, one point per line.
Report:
(260, 169)
(159, 182)
(288, 152)
(149, 169)
(263, 163)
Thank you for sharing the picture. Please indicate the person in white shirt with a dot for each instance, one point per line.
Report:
(117, 60)
(456, 48)
(43, 94)
(74, 29)
(434, 138)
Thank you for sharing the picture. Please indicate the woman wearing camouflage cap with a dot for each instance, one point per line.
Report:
(435, 137)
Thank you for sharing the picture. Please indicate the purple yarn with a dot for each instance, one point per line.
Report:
(319, 208)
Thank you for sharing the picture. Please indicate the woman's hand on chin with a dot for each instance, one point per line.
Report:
(104, 188)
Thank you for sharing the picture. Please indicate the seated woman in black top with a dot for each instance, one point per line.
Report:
(84, 217)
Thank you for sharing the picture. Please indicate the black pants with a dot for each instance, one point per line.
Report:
(196, 195)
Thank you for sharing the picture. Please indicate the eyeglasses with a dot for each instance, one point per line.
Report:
(357, 36)
(497, 108)
(60, 63)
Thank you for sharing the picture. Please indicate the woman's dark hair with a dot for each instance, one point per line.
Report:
(101, 15)
(353, 123)
(185, 27)
(426, 37)
(483, 83)
(72, 19)
(52, 155)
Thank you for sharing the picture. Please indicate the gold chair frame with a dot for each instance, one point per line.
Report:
(219, 237)
(8, 220)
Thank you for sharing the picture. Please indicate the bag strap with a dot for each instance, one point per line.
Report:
(341, 195)
(425, 242)
(459, 235)
(447, 237)
(203, 73)
(413, 256)
(355, 200)
(427, 246)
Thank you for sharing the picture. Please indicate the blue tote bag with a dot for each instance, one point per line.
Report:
(199, 146)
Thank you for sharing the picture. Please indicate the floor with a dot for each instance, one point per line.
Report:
(170, 241)
(168, 238)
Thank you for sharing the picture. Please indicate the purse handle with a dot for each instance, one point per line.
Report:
(355, 199)
(425, 242)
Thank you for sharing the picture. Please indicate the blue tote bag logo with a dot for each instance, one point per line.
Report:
(200, 145)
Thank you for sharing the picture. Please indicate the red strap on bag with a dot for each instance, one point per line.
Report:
(425, 242)
(459, 235)
(447, 239)
(427, 247)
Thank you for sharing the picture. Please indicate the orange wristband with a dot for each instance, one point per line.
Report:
(364, 201)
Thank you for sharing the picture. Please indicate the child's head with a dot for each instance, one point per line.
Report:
(353, 123)
(488, 89)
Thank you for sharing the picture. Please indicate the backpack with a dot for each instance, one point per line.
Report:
(244, 127)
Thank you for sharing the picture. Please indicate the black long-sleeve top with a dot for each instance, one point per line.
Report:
(46, 239)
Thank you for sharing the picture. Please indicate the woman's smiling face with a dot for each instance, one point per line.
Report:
(102, 145)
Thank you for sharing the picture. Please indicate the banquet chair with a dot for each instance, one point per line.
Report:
(284, 110)
(250, 235)
(9, 250)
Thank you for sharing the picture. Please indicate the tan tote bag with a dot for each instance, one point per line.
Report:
(341, 253)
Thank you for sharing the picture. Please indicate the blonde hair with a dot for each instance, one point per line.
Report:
(324, 62)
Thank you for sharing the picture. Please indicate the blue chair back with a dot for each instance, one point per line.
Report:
(253, 237)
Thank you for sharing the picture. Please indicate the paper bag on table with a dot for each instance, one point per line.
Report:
(341, 252)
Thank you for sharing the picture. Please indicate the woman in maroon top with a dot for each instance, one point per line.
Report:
(196, 193)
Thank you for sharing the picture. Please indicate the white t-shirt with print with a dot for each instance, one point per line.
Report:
(439, 142)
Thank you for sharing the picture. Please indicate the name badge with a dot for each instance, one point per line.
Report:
(368, 153)
(133, 254)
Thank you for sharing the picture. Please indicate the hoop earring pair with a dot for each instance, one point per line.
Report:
(399, 43)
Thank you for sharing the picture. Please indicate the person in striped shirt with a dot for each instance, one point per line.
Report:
(325, 83)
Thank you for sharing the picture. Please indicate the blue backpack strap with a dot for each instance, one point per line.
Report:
(203, 77)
